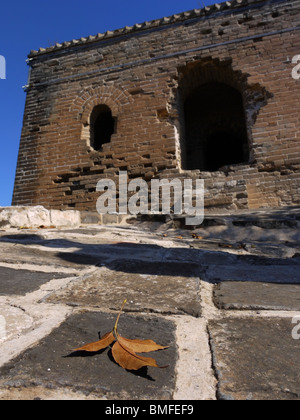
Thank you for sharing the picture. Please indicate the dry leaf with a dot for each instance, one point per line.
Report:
(140, 346)
(124, 350)
(130, 360)
(105, 341)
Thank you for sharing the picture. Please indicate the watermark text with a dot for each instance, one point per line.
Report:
(160, 196)
(296, 329)
(296, 69)
(2, 67)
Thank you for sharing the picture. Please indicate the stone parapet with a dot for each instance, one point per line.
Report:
(37, 216)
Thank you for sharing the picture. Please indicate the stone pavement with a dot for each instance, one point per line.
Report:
(225, 298)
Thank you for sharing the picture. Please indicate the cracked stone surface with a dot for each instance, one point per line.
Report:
(20, 282)
(256, 359)
(13, 321)
(223, 296)
(255, 273)
(52, 364)
(147, 287)
(255, 296)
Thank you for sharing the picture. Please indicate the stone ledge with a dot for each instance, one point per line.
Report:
(36, 216)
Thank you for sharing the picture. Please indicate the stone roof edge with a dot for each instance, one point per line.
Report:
(227, 5)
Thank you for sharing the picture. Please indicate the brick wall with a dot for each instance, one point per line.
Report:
(144, 74)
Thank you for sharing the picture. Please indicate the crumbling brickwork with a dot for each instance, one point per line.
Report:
(204, 94)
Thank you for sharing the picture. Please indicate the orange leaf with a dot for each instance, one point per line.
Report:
(125, 351)
(140, 346)
(130, 360)
(105, 341)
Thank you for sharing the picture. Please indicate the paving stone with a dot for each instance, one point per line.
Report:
(13, 322)
(76, 253)
(12, 253)
(243, 271)
(256, 359)
(20, 282)
(164, 288)
(251, 295)
(51, 363)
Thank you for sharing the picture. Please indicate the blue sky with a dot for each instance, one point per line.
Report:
(29, 25)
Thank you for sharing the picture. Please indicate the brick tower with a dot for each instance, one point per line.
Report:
(211, 93)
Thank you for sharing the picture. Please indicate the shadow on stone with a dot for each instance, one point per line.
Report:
(142, 373)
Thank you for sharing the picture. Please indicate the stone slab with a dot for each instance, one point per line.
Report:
(20, 282)
(155, 287)
(255, 296)
(52, 365)
(13, 322)
(288, 274)
(35, 216)
(24, 216)
(73, 252)
(65, 218)
(61, 255)
(255, 359)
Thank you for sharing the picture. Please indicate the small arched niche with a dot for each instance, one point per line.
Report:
(102, 126)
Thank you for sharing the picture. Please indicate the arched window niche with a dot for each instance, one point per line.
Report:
(102, 126)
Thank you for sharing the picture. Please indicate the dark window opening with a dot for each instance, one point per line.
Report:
(102, 126)
(215, 128)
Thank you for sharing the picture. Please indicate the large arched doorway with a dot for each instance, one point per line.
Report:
(215, 128)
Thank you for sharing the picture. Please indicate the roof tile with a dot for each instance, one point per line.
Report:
(145, 25)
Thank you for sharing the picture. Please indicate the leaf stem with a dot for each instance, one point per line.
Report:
(117, 321)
